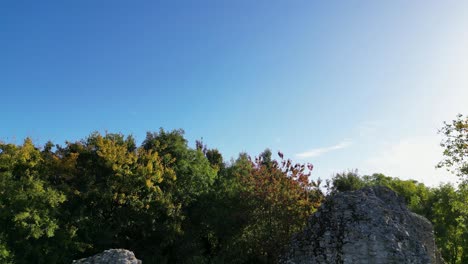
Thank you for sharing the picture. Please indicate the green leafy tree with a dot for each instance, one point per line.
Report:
(455, 146)
(417, 196)
(195, 178)
(118, 195)
(346, 181)
(450, 208)
(194, 172)
(29, 205)
(450, 219)
(215, 158)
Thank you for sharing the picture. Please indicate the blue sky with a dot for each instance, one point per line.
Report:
(360, 84)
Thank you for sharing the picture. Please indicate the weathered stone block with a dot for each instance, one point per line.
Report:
(371, 225)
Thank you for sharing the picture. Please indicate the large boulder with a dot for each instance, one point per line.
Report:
(371, 225)
(111, 256)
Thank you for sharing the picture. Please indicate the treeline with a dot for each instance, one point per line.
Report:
(170, 203)
(445, 206)
(165, 201)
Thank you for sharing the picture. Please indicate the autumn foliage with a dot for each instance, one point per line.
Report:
(165, 201)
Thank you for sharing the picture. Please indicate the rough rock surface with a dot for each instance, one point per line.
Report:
(111, 256)
(371, 225)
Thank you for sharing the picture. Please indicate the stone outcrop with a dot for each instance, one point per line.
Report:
(111, 256)
(371, 225)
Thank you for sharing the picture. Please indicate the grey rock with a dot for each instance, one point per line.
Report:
(371, 225)
(111, 256)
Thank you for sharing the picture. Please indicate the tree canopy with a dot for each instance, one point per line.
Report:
(170, 203)
(165, 201)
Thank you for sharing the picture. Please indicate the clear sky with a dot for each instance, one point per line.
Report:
(341, 84)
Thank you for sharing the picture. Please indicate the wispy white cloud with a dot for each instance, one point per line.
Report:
(410, 158)
(320, 151)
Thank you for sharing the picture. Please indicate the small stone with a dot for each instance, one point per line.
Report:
(111, 256)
